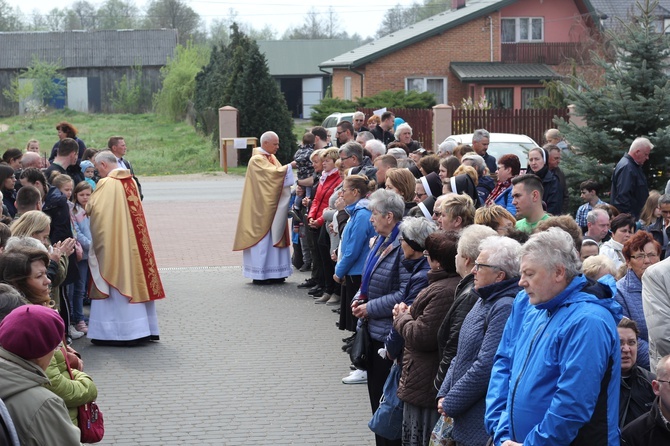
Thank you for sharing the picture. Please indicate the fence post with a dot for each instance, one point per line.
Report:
(574, 118)
(227, 129)
(442, 115)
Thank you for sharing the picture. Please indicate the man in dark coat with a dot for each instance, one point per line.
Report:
(652, 428)
(629, 183)
(383, 131)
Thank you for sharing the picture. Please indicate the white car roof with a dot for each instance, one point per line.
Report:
(495, 137)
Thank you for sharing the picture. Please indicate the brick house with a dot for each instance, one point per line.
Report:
(501, 49)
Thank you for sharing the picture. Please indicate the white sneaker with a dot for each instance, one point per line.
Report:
(74, 333)
(356, 377)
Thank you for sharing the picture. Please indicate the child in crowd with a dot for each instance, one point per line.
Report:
(304, 165)
(589, 193)
(302, 255)
(80, 195)
(88, 170)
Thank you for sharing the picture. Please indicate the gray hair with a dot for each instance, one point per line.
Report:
(397, 153)
(10, 299)
(640, 143)
(267, 135)
(417, 229)
(385, 201)
(106, 156)
(352, 148)
(480, 134)
(359, 113)
(664, 199)
(553, 248)
(18, 243)
(401, 127)
(366, 136)
(477, 162)
(468, 244)
(446, 148)
(375, 147)
(503, 253)
(592, 216)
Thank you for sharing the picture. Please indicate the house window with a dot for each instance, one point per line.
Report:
(662, 25)
(435, 85)
(347, 88)
(522, 29)
(528, 94)
(501, 98)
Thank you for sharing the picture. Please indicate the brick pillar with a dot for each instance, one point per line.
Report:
(228, 129)
(441, 123)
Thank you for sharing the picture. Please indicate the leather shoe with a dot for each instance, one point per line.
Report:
(306, 267)
(315, 290)
(308, 283)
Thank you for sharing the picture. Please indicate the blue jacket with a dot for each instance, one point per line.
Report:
(629, 296)
(356, 236)
(484, 188)
(417, 282)
(505, 200)
(464, 387)
(557, 371)
(387, 288)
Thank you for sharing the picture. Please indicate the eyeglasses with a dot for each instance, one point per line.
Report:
(662, 381)
(650, 256)
(478, 266)
(420, 195)
(346, 157)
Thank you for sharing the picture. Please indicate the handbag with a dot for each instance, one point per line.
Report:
(387, 419)
(360, 347)
(89, 416)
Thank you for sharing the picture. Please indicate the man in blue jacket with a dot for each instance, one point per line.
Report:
(555, 380)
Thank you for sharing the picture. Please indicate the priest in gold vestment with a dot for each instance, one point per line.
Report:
(125, 276)
(262, 226)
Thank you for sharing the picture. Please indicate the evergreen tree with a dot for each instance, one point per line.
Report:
(631, 102)
(237, 75)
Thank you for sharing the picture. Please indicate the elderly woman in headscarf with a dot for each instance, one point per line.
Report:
(553, 194)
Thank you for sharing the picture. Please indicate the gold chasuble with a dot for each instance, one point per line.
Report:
(121, 254)
(263, 187)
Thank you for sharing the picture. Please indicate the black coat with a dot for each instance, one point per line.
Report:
(636, 395)
(447, 335)
(647, 430)
(629, 187)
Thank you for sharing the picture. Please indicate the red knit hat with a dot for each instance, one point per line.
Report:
(31, 331)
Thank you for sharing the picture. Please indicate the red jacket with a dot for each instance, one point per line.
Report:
(323, 193)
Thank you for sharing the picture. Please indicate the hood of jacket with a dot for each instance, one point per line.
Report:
(18, 375)
(507, 287)
(582, 289)
(354, 207)
(414, 265)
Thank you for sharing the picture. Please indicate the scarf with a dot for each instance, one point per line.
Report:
(325, 175)
(382, 244)
(499, 189)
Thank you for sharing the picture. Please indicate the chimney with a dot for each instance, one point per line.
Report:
(457, 4)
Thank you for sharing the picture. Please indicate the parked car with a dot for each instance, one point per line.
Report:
(330, 123)
(502, 144)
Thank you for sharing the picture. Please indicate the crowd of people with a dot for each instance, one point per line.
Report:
(509, 319)
(68, 221)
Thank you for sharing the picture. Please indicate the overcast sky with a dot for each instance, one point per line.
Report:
(357, 16)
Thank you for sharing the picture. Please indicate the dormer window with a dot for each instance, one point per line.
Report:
(522, 29)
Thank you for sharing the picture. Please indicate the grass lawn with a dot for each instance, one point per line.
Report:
(155, 146)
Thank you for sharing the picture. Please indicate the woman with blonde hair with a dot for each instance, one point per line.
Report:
(496, 217)
(34, 224)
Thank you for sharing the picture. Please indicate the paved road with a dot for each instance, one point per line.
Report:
(237, 364)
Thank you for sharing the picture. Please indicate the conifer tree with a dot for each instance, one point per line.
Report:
(237, 75)
(631, 102)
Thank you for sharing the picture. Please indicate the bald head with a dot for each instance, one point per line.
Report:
(31, 159)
